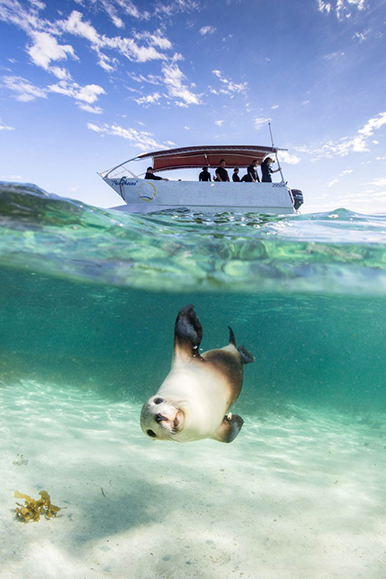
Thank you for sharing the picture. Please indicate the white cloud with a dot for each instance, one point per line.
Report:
(372, 125)
(229, 87)
(150, 78)
(337, 179)
(75, 25)
(359, 143)
(174, 82)
(11, 178)
(24, 90)
(127, 47)
(207, 30)
(174, 7)
(149, 99)
(381, 182)
(125, 7)
(219, 123)
(90, 109)
(46, 49)
(161, 42)
(6, 127)
(26, 18)
(260, 122)
(88, 94)
(155, 39)
(85, 96)
(361, 36)
(274, 107)
(333, 55)
(324, 6)
(286, 157)
(341, 8)
(141, 139)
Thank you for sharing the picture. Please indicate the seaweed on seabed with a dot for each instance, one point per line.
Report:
(32, 509)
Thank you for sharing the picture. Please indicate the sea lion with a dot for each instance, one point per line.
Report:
(194, 399)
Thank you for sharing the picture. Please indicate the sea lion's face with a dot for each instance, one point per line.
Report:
(161, 419)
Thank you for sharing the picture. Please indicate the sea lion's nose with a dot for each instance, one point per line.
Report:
(159, 418)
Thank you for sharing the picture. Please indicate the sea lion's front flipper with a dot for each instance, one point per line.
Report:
(187, 334)
(229, 428)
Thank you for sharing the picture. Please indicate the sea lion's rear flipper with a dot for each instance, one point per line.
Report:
(229, 428)
(187, 334)
(246, 357)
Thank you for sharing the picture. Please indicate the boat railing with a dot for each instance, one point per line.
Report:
(119, 171)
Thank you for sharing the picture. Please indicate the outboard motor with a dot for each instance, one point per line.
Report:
(298, 198)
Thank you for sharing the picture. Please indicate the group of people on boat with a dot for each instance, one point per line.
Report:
(221, 174)
(251, 176)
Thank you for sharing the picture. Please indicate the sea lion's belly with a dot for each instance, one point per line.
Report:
(203, 396)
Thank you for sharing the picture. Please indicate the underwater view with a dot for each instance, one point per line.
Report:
(89, 299)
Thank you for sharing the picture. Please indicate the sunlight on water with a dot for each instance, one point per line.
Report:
(88, 304)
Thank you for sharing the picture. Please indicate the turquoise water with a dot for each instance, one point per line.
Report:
(88, 303)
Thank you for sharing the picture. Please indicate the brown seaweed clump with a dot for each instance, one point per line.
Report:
(32, 509)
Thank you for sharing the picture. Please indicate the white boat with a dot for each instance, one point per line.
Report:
(148, 195)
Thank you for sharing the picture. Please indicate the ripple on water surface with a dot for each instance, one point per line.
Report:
(339, 252)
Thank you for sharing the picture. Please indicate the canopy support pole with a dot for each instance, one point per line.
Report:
(273, 147)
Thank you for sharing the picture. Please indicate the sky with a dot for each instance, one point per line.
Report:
(87, 84)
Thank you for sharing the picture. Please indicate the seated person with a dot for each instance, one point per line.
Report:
(235, 176)
(246, 178)
(252, 172)
(266, 170)
(150, 175)
(221, 172)
(204, 175)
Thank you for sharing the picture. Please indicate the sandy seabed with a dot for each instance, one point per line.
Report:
(295, 496)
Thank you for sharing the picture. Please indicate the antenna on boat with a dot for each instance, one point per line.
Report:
(273, 147)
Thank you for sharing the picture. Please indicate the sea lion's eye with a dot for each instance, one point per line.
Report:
(151, 433)
(158, 400)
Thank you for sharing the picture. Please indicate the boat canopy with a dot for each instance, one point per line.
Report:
(210, 156)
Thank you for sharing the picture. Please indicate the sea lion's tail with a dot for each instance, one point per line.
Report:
(246, 356)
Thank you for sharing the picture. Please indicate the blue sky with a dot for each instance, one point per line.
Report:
(86, 84)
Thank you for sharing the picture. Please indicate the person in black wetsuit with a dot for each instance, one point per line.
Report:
(235, 176)
(150, 175)
(266, 170)
(221, 172)
(252, 172)
(204, 175)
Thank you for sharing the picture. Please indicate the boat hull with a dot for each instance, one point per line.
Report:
(148, 196)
